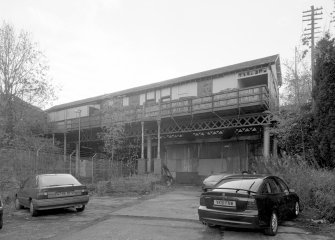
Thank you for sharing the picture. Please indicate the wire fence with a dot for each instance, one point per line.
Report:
(20, 164)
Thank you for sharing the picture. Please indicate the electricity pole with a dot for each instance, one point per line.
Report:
(311, 17)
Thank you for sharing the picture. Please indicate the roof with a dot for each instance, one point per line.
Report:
(192, 77)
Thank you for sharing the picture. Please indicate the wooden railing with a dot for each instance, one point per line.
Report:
(222, 101)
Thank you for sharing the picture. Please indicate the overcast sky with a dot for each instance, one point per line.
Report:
(102, 46)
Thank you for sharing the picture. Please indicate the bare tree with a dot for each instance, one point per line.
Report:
(297, 83)
(23, 76)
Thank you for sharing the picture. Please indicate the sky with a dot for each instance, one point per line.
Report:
(96, 47)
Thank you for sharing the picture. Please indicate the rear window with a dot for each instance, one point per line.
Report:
(214, 178)
(57, 180)
(245, 184)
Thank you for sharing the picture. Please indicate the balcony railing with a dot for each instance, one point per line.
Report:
(255, 98)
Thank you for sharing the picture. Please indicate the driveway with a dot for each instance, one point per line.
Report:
(172, 215)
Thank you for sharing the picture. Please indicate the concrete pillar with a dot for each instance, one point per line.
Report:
(266, 141)
(159, 139)
(275, 147)
(53, 139)
(142, 140)
(149, 154)
(77, 159)
(158, 162)
(65, 147)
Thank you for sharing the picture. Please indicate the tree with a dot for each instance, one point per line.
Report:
(23, 77)
(297, 83)
(118, 145)
(324, 95)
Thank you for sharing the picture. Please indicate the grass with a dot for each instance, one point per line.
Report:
(314, 186)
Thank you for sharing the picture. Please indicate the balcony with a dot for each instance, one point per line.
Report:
(246, 100)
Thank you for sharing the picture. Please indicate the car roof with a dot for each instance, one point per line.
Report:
(54, 174)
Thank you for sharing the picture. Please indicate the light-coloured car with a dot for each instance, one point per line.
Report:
(50, 191)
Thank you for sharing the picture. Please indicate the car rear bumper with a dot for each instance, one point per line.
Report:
(246, 219)
(65, 202)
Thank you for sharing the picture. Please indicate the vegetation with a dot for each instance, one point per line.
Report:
(23, 84)
(316, 193)
(118, 145)
(324, 114)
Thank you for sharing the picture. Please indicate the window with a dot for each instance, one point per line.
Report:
(282, 185)
(273, 185)
(266, 188)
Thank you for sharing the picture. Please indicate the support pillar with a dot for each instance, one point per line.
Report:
(275, 147)
(266, 141)
(142, 140)
(53, 139)
(158, 162)
(65, 147)
(77, 159)
(149, 154)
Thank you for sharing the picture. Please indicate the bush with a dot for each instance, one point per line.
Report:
(138, 184)
(314, 186)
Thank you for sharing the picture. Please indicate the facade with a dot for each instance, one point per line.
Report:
(208, 122)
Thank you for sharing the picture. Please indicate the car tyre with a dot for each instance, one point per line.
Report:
(81, 209)
(33, 211)
(273, 225)
(295, 212)
(18, 206)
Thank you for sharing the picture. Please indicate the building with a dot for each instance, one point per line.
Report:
(203, 123)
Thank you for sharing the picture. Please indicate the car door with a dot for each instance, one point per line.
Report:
(278, 198)
(288, 198)
(265, 202)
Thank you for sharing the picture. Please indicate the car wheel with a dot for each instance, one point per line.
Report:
(32, 210)
(296, 210)
(273, 225)
(80, 209)
(18, 206)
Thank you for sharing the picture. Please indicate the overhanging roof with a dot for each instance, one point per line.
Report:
(192, 77)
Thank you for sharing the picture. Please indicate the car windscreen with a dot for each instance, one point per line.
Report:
(57, 180)
(245, 184)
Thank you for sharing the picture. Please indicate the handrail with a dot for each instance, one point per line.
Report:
(191, 105)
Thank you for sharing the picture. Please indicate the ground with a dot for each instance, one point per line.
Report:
(171, 215)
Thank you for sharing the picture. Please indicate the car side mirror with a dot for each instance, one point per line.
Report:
(292, 190)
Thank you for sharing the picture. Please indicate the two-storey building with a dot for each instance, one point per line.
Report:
(208, 122)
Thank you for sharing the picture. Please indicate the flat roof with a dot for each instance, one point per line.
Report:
(217, 71)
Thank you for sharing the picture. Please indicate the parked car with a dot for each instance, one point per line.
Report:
(1, 213)
(212, 180)
(51, 191)
(249, 201)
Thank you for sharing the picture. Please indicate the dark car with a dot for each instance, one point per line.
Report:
(50, 191)
(1, 213)
(212, 180)
(249, 201)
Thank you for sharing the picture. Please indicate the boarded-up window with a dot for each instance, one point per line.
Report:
(134, 100)
(205, 88)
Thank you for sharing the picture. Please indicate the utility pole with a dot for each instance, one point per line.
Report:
(310, 16)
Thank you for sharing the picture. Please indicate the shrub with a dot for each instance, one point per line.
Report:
(138, 184)
(315, 186)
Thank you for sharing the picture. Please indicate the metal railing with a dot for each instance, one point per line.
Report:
(224, 100)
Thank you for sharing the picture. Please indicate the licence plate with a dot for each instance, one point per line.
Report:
(63, 194)
(225, 203)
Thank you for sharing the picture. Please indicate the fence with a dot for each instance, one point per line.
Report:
(18, 164)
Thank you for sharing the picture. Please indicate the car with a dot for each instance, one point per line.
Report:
(212, 180)
(51, 191)
(1, 213)
(249, 201)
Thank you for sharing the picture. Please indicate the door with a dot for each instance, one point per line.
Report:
(279, 198)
